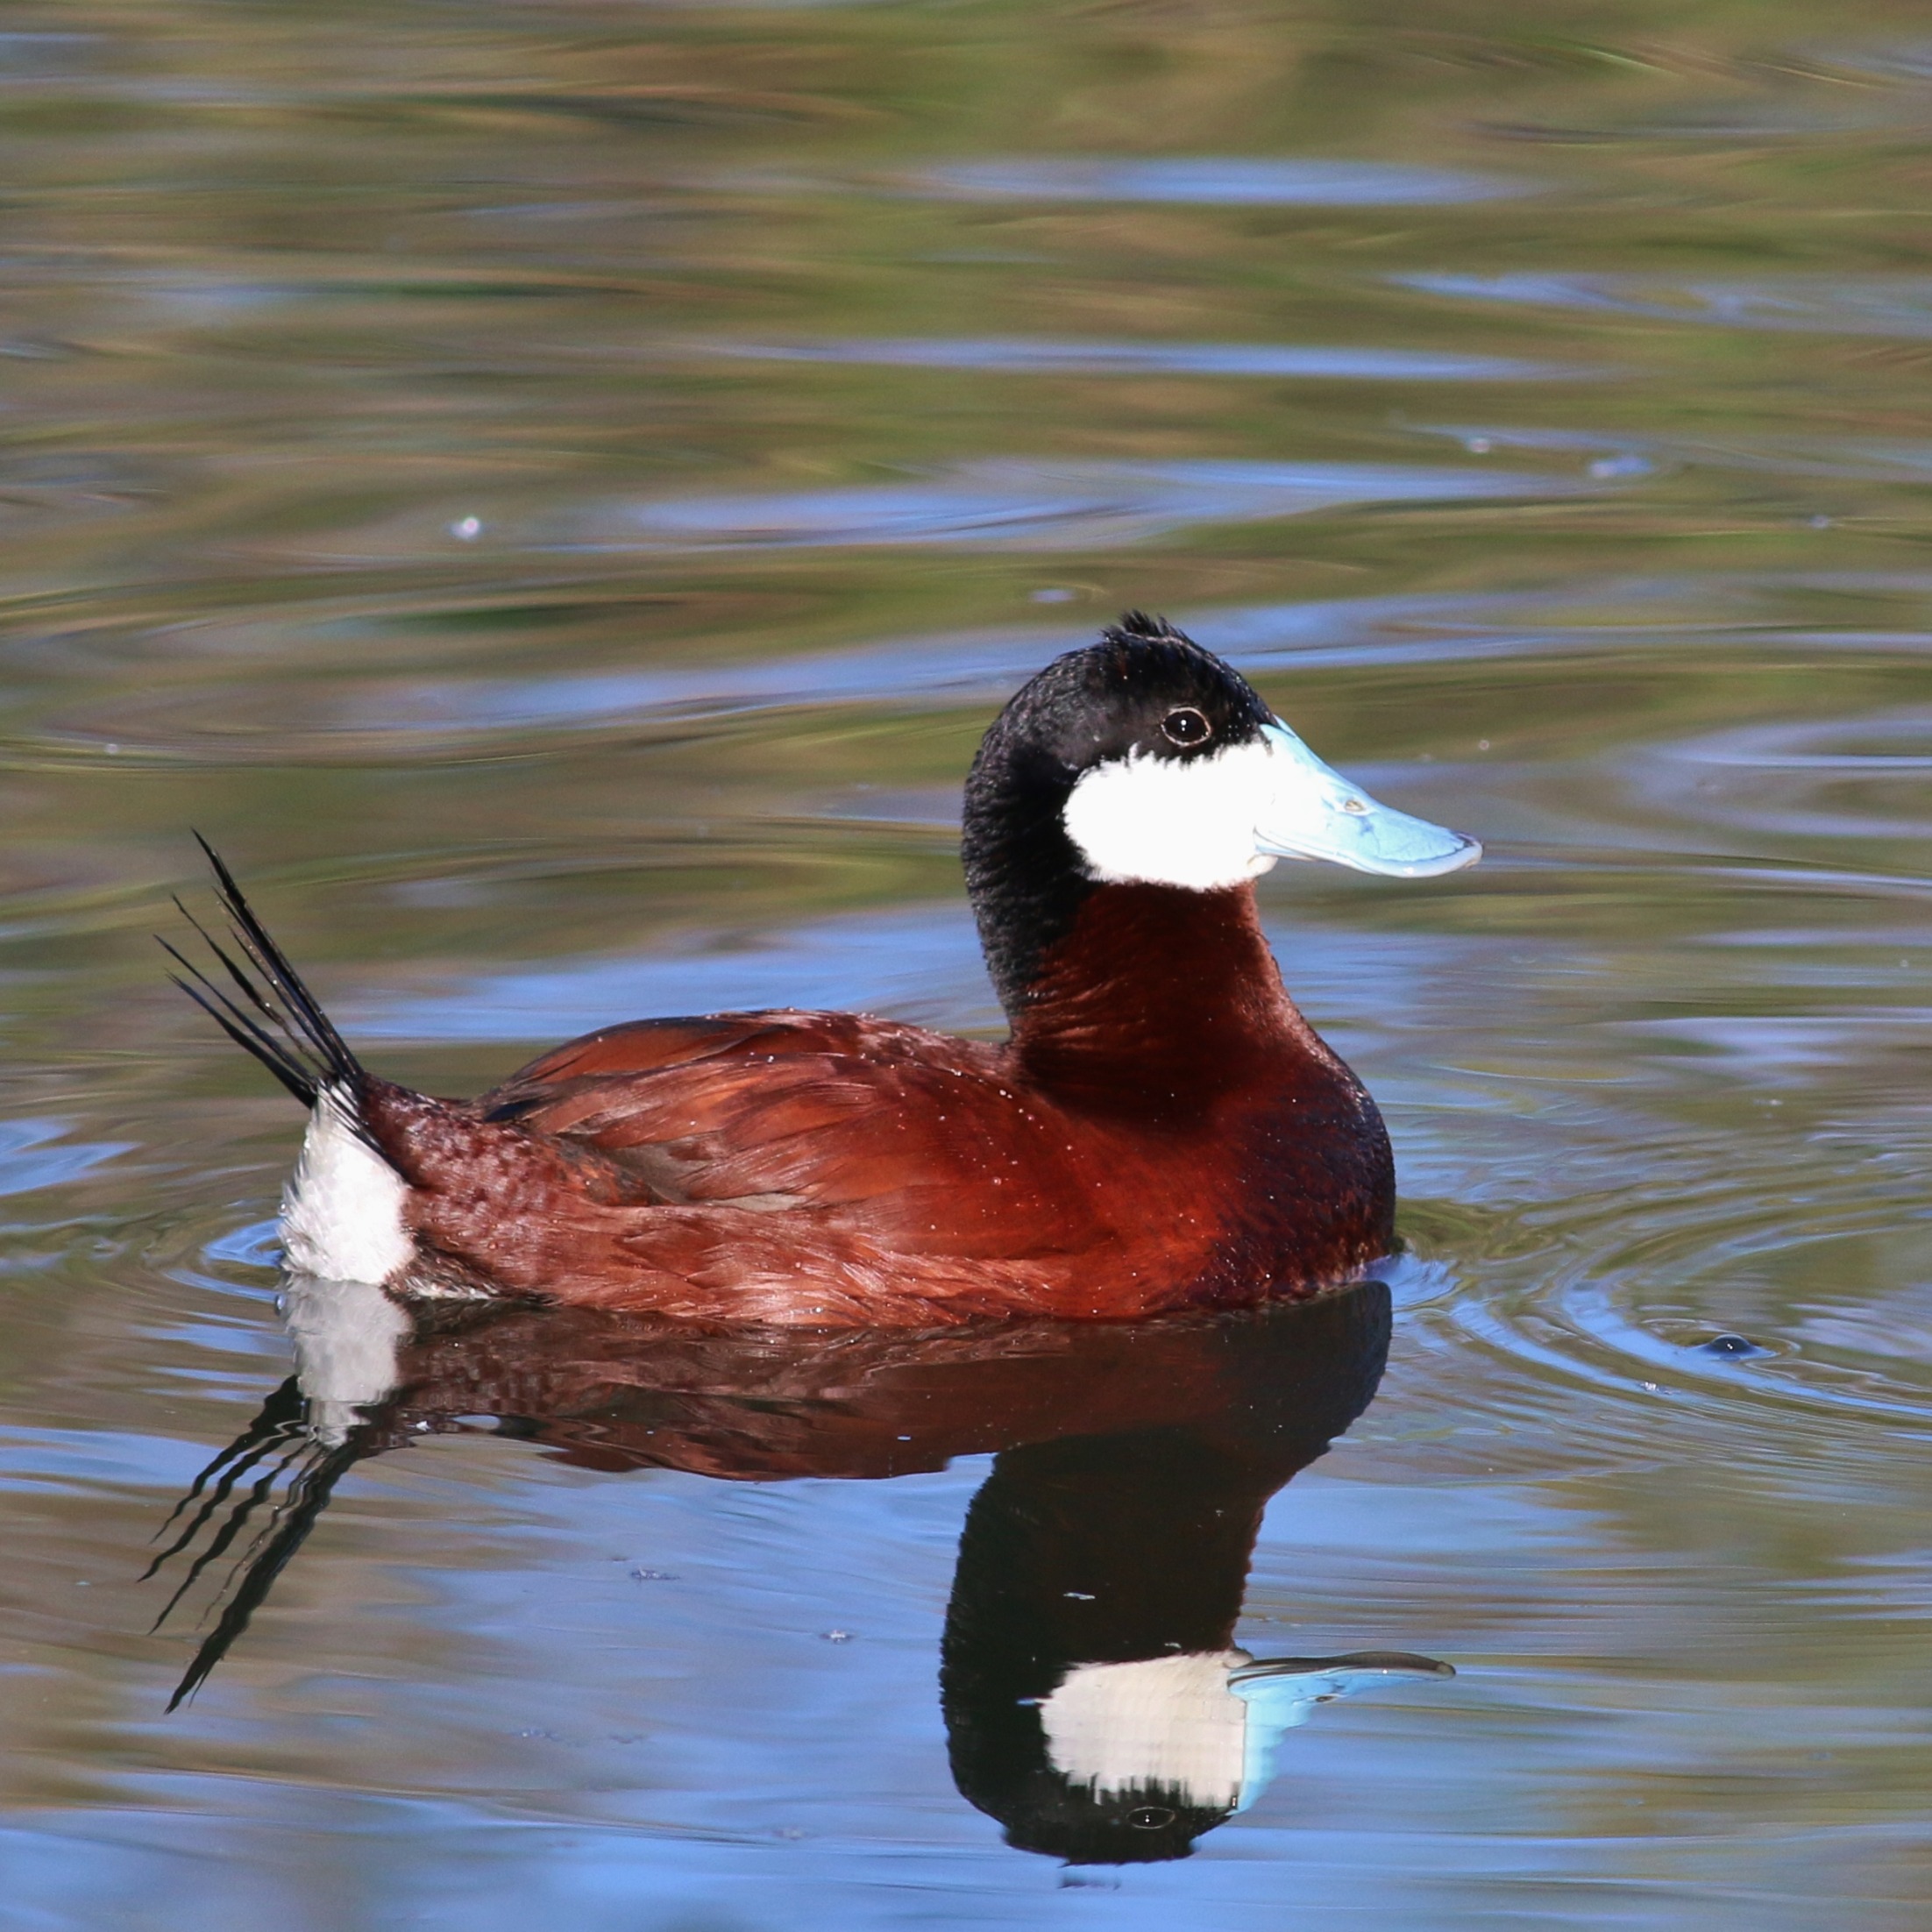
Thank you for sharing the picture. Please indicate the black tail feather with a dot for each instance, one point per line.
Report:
(280, 1022)
(241, 1030)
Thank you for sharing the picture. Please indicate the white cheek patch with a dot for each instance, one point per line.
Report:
(342, 1210)
(1174, 821)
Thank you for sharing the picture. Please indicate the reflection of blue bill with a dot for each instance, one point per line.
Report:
(1202, 1727)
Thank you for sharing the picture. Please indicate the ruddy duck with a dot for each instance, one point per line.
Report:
(1162, 1130)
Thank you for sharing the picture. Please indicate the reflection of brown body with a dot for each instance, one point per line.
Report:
(616, 1392)
(1163, 1131)
(1132, 1466)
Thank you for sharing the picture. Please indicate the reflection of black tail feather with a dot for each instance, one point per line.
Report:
(280, 1418)
(255, 1576)
(277, 1436)
(258, 1494)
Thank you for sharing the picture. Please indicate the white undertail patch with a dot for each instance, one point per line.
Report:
(342, 1210)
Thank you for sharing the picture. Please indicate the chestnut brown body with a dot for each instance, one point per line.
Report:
(1163, 1130)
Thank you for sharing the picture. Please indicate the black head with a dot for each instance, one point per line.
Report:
(1144, 695)
(1145, 690)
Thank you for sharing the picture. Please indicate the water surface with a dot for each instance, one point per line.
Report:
(557, 497)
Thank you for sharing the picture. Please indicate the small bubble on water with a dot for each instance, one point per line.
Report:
(836, 1637)
(1817, 522)
(1483, 744)
(1053, 595)
(641, 1575)
(467, 529)
(1478, 445)
(1731, 1347)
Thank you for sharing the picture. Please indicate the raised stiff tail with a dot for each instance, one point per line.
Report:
(268, 1012)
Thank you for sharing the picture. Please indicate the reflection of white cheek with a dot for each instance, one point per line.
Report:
(1163, 1724)
(1170, 821)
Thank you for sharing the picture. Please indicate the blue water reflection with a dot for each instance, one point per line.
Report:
(1032, 505)
(1225, 180)
(1015, 356)
(1897, 305)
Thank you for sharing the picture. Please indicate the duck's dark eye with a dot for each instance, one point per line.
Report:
(1151, 1817)
(1186, 725)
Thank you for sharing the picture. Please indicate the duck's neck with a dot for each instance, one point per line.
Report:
(1158, 998)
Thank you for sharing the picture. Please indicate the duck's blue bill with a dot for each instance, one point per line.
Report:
(1313, 812)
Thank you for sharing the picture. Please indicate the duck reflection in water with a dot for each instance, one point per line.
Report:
(1096, 1703)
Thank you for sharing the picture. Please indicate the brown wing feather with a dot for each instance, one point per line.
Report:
(646, 1046)
(822, 1111)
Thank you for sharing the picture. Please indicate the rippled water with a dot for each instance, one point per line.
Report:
(557, 494)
